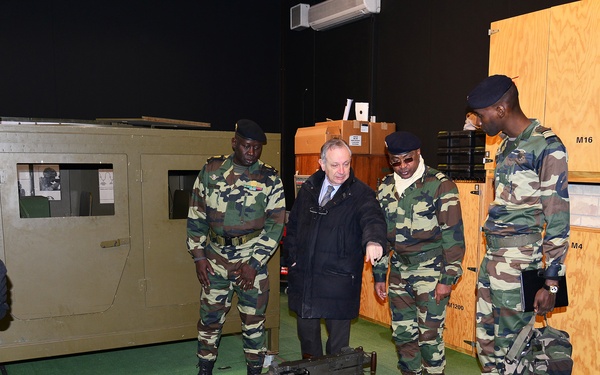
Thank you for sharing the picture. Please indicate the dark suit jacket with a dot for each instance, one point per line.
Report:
(328, 246)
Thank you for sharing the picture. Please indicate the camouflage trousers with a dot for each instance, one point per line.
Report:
(500, 314)
(215, 303)
(417, 320)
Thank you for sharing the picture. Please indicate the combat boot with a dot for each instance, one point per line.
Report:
(205, 367)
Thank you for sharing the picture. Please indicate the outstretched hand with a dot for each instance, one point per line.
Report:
(374, 252)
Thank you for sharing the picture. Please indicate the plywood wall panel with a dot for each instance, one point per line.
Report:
(573, 93)
(581, 319)
(371, 308)
(460, 318)
(307, 164)
(519, 49)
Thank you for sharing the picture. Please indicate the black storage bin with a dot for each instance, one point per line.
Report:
(462, 155)
(443, 138)
(466, 138)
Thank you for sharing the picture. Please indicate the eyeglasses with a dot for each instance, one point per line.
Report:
(399, 162)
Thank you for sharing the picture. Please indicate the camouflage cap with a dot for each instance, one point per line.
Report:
(489, 91)
(250, 130)
(401, 142)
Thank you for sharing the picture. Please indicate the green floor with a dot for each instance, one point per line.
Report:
(179, 358)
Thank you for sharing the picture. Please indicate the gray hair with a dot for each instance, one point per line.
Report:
(333, 143)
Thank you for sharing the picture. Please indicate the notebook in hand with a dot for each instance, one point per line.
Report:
(532, 281)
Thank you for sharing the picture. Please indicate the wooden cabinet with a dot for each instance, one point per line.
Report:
(460, 316)
(525, 37)
(307, 164)
(371, 308)
(581, 318)
(553, 55)
(573, 87)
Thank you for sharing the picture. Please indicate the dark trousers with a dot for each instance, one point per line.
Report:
(309, 332)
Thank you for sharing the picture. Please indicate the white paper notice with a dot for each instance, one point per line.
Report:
(355, 140)
(107, 186)
(362, 111)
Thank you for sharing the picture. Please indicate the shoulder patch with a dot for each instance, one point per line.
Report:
(217, 158)
(434, 172)
(546, 132)
(269, 168)
(440, 176)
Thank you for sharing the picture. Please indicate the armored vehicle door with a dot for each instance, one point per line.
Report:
(169, 270)
(65, 231)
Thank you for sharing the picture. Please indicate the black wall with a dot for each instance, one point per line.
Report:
(211, 61)
(218, 61)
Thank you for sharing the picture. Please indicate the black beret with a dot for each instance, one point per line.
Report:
(401, 142)
(250, 130)
(489, 91)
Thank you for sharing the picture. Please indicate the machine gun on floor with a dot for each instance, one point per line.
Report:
(348, 362)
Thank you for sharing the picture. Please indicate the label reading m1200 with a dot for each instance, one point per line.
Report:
(456, 306)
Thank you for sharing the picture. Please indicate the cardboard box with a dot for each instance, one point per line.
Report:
(355, 133)
(309, 140)
(378, 132)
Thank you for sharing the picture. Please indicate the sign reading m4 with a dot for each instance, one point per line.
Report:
(575, 245)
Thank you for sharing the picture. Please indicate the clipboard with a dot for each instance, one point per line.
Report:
(532, 281)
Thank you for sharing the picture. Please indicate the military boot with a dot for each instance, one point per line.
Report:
(205, 367)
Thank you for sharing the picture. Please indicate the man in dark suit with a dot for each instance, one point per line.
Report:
(335, 223)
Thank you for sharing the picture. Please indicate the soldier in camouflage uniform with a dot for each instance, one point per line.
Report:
(425, 230)
(531, 192)
(235, 222)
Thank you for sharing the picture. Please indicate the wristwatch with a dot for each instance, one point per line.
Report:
(553, 289)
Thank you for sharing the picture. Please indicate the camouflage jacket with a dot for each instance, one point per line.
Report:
(426, 217)
(234, 207)
(531, 190)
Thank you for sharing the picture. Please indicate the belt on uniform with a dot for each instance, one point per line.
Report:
(232, 241)
(417, 258)
(496, 242)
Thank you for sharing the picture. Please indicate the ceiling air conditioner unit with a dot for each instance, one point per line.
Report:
(333, 13)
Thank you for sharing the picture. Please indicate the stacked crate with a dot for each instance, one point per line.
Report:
(461, 153)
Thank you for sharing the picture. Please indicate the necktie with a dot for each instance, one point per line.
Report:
(327, 196)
